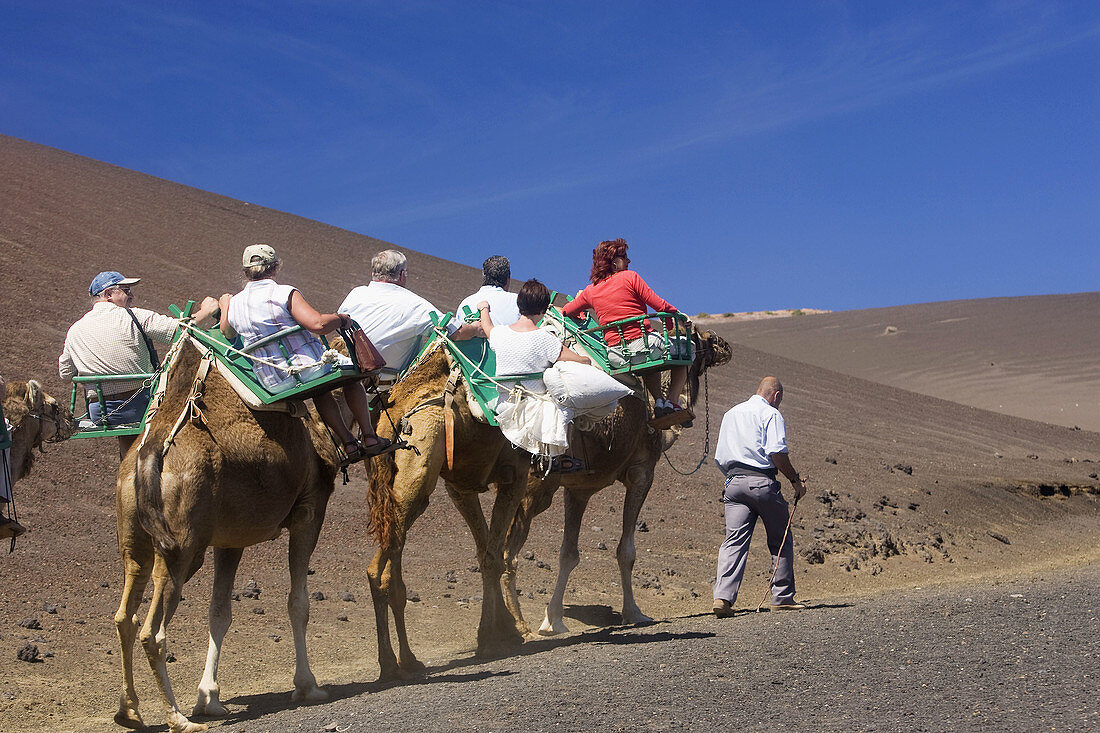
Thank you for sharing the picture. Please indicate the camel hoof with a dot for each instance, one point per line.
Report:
(210, 709)
(549, 628)
(309, 695)
(413, 667)
(179, 724)
(129, 717)
(636, 618)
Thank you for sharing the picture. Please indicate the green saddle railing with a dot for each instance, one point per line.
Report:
(241, 366)
(85, 426)
(676, 341)
(479, 366)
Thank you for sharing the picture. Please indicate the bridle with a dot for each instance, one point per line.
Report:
(40, 416)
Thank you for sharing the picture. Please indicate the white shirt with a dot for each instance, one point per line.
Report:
(393, 318)
(106, 341)
(524, 352)
(263, 309)
(502, 304)
(751, 431)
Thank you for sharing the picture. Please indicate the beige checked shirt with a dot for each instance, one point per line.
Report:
(106, 341)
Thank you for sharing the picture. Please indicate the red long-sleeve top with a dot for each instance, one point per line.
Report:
(619, 296)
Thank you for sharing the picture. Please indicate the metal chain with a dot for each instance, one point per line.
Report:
(706, 442)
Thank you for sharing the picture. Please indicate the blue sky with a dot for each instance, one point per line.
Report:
(755, 155)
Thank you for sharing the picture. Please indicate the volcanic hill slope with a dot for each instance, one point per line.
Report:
(904, 488)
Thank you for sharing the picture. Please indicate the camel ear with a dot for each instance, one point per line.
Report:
(34, 395)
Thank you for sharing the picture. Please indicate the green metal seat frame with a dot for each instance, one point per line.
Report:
(241, 366)
(591, 335)
(478, 363)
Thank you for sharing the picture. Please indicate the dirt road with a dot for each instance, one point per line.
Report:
(1008, 656)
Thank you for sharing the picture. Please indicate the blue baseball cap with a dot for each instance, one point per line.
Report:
(104, 280)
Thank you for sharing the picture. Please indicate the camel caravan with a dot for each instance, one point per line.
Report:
(219, 448)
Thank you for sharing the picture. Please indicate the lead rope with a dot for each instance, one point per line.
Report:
(706, 442)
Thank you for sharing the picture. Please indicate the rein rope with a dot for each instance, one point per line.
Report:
(706, 442)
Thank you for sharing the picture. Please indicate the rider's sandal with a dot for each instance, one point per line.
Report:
(379, 447)
(353, 453)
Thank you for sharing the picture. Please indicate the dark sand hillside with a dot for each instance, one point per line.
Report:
(1033, 357)
(905, 489)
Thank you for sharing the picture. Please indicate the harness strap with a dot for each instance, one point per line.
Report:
(191, 410)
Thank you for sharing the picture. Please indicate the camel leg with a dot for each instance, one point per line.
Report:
(638, 481)
(537, 499)
(138, 562)
(303, 540)
(568, 559)
(221, 616)
(496, 632)
(166, 597)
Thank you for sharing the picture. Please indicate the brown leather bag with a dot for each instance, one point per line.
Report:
(362, 351)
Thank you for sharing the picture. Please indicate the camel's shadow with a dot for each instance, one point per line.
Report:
(253, 707)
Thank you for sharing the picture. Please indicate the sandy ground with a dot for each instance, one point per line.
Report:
(905, 489)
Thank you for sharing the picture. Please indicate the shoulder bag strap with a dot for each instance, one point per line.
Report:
(154, 359)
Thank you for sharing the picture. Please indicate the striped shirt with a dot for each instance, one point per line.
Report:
(106, 341)
(262, 309)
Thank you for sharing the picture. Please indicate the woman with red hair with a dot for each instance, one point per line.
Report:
(616, 293)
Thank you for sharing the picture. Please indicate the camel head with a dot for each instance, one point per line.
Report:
(711, 350)
(52, 422)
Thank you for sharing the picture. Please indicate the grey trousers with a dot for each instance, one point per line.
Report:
(745, 498)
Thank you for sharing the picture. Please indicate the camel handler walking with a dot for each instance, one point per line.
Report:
(752, 448)
(116, 338)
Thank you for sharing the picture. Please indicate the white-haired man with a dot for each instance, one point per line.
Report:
(393, 317)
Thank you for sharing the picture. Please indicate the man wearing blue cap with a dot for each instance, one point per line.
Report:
(115, 338)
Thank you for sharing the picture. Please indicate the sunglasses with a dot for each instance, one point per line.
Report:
(123, 288)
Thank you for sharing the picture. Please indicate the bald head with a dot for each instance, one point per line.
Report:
(771, 390)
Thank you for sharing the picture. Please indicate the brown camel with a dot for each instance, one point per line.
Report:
(36, 418)
(230, 478)
(621, 448)
(402, 483)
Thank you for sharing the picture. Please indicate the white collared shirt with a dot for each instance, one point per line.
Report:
(502, 304)
(750, 433)
(393, 318)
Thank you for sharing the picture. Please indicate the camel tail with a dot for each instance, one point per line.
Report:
(380, 501)
(147, 486)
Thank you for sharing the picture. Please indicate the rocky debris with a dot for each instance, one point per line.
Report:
(451, 576)
(275, 637)
(999, 537)
(830, 459)
(251, 589)
(104, 584)
(317, 595)
(670, 572)
(235, 596)
(875, 568)
(412, 597)
(30, 623)
(884, 502)
(169, 657)
(1032, 456)
(648, 581)
(529, 555)
(902, 468)
(330, 727)
(347, 597)
(998, 455)
(49, 608)
(643, 527)
(258, 611)
(310, 571)
(913, 506)
(473, 569)
(1092, 475)
(814, 554)
(850, 563)
(29, 653)
(541, 564)
(601, 545)
(341, 617)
